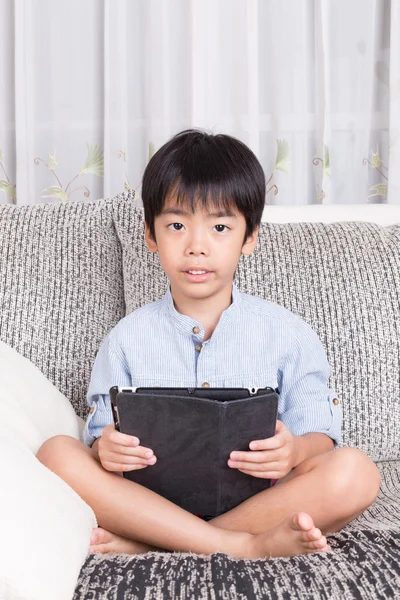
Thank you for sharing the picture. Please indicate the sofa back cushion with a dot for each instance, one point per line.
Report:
(61, 287)
(341, 278)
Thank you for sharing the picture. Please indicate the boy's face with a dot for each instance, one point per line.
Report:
(210, 242)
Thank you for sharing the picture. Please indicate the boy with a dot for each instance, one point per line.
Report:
(203, 198)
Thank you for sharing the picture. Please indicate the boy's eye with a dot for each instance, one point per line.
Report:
(179, 227)
(175, 226)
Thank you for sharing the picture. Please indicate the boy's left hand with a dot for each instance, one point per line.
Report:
(272, 458)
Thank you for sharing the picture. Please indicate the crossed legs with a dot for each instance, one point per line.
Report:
(331, 488)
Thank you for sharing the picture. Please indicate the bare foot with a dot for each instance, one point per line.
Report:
(107, 542)
(295, 535)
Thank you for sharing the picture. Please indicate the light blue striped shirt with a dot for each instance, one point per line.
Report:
(256, 343)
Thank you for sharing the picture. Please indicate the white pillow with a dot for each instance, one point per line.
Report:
(45, 525)
(29, 402)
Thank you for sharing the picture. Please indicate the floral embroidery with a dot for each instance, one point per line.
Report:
(5, 185)
(326, 170)
(123, 154)
(282, 163)
(94, 165)
(379, 189)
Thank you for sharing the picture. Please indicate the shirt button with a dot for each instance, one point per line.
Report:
(205, 384)
(196, 329)
(335, 401)
(199, 347)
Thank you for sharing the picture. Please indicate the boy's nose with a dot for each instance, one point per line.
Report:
(197, 246)
(197, 252)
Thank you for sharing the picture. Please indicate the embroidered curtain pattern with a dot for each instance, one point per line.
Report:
(90, 90)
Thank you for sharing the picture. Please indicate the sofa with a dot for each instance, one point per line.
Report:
(69, 273)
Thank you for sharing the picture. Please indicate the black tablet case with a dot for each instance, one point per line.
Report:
(192, 433)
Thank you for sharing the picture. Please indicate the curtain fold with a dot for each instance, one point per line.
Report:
(89, 90)
(25, 126)
(115, 93)
(394, 106)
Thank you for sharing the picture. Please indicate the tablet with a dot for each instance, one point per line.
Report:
(192, 432)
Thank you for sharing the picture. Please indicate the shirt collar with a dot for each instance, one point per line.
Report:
(190, 326)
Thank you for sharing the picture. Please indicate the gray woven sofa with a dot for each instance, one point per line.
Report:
(70, 272)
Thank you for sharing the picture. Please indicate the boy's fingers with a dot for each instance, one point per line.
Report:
(254, 457)
(123, 457)
(139, 451)
(272, 443)
(123, 440)
(124, 468)
(245, 466)
(115, 436)
(261, 474)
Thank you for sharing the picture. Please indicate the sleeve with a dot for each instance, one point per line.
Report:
(110, 368)
(306, 403)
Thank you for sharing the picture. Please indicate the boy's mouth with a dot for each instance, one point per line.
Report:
(197, 275)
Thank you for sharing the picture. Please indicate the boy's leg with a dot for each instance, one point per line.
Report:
(333, 488)
(131, 511)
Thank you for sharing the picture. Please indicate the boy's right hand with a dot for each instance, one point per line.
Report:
(121, 452)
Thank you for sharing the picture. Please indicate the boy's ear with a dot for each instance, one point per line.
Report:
(150, 241)
(250, 242)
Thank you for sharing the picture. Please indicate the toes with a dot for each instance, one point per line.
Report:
(100, 549)
(312, 535)
(318, 544)
(325, 548)
(101, 536)
(94, 537)
(302, 522)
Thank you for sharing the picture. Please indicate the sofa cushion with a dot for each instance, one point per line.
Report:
(341, 278)
(61, 287)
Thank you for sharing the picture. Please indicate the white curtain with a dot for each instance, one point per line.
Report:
(90, 88)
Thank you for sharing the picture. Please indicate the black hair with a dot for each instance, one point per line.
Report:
(213, 169)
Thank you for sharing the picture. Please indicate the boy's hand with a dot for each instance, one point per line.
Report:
(272, 458)
(121, 452)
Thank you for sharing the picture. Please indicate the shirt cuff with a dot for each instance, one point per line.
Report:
(335, 430)
(100, 415)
